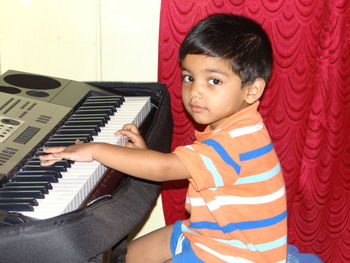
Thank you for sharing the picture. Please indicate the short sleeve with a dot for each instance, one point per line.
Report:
(209, 163)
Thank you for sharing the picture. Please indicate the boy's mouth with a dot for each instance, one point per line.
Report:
(196, 108)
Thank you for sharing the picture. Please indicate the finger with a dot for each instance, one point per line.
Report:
(128, 127)
(130, 144)
(122, 132)
(50, 157)
(131, 127)
(77, 141)
(48, 163)
(130, 135)
(53, 149)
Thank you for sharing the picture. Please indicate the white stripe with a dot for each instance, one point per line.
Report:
(209, 164)
(239, 200)
(198, 201)
(178, 249)
(246, 130)
(225, 258)
(189, 147)
(259, 177)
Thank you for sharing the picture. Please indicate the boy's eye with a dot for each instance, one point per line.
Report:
(214, 82)
(187, 78)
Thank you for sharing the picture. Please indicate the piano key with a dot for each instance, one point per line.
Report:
(38, 167)
(102, 103)
(47, 170)
(95, 111)
(71, 137)
(38, 153)
(43, 189)
(45, 184)
(80, 122)
(25, 206)
(24, 193)
(64, 137)
(90, 116)
(77, 130)
(61, 143)
(30, 200)
(84, 127)
(109, 108)
(44, 177)
(36, 161)
(117, 98)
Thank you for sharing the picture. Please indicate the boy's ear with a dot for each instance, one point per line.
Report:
(254, 90)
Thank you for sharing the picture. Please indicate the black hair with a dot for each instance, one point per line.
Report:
(240, 41)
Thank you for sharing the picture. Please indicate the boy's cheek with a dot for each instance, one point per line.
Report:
(185, 96)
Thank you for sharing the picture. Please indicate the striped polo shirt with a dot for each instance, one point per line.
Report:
(236, 196)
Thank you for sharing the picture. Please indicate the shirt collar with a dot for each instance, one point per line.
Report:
(247, 115)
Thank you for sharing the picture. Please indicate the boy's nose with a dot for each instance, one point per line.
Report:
(196, 90)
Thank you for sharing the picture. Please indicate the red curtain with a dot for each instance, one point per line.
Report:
(306, 108)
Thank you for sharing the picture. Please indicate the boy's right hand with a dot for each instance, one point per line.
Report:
(82, 152)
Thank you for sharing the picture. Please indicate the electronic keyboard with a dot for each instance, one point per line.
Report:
(38, 111)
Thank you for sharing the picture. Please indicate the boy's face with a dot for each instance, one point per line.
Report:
(211, 91)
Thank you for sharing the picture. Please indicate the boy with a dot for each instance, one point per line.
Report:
(236, 196)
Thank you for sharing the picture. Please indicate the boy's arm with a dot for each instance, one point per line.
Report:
(142, 163)
(147, 164)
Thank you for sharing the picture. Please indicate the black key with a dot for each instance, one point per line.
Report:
(102, 106)
(99, 123)
(47, 170)
(94, 111)
(67, 139)
(38, 167)
(45, 184)
(59, 143)
(44, 177)
(76, 130)
(39, 153)
(103, 117)
(36, 161)
(36, 158)
(30, 200)
(16, 207)
(71, 137)
(119, 98)
(104, 99)
(88, 127)
(28, 193)
(43, 189)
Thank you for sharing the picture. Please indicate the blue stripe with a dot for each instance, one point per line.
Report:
(240, 225)
(252, 247)
(256, 153)
(223, 154)
(259, 177)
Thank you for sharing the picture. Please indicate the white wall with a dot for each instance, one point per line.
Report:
(81, 39)
(84, 40)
